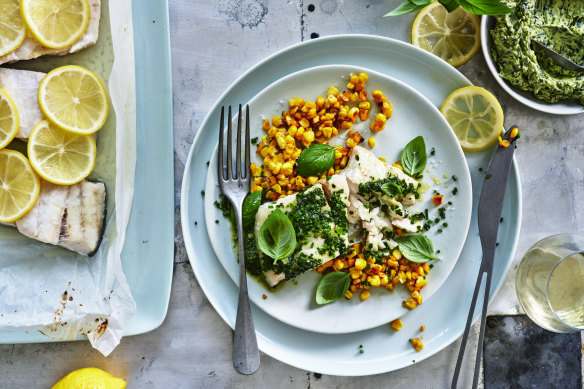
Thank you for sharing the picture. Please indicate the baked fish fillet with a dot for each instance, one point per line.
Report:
(321, 232)
(365, 168)
(30, 49)
(23, 87)
(68, 216)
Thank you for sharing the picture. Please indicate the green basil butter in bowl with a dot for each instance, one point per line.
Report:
(523, 69)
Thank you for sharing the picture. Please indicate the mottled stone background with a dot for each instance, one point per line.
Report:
(213, 43)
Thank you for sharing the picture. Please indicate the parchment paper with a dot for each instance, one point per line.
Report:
(52, 290)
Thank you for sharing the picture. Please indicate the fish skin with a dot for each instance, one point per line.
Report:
(23, 87)
(68, 216)
(30, 48)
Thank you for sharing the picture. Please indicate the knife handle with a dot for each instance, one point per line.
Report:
(467, 329)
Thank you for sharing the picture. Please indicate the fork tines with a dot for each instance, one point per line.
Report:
(240, 174)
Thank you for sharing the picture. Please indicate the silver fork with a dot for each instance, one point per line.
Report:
(246, 357)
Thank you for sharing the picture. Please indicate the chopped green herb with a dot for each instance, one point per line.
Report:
(208, 162)
(455, 191)
(216, 221)
(488, 176)
(433, 151)
(501, 220)
(254, 140)
(454, 178)
(203, 193)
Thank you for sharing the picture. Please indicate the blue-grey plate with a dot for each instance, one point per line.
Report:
(413, 115)
(148, 250)
(444, 315)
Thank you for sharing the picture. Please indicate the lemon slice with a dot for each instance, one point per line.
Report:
(74, 99)
(475, 115)
(454, 36)
(12, 28)
(9, 120)
(19, 186)
(90, 377)
(59, 156)
(56, 24)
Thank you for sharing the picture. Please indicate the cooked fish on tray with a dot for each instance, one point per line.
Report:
(23, 88)
(68, 216)
(30, 48)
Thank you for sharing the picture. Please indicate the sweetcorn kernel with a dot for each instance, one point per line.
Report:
(364, 295)
(397, 324)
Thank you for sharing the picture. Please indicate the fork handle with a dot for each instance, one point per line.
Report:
(246, 356)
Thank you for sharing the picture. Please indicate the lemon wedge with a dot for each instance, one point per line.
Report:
(475, 116)
(12, 27)
(56, 24)
(9, 120)
(90, 378)
(454, 36)
(19, 186)
(74, 99)
(59, 156)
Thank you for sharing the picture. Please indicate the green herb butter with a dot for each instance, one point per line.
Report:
(559, 25)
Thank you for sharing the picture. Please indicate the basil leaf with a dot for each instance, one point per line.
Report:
(251, 204)
(315, 160)
(416, 248)
(277, 238)
(485, 7)
(407, 7)
(391, 188)
(413, 157)
(332, 287)
(450, 5)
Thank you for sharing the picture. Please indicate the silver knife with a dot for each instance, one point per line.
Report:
(489, 215)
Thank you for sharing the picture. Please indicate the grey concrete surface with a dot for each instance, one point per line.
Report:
(214, 42)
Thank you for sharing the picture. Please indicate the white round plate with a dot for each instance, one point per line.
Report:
(413, 115)
(385, 349)
(563, 108)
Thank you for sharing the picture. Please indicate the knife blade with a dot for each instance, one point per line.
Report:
(489, 216)
(491, 200)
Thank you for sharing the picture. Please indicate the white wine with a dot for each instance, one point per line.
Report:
(550, 283)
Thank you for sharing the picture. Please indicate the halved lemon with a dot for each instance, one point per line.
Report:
(475, 115)
(12, 28)
(74, 99)
(59, 156)
(90, 377)
(19, 186)
(454, 36)
(56, 24)
(9, 120)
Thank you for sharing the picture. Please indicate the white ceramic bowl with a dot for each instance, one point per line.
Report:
(563, 108)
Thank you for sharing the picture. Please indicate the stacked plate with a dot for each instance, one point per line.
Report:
(289, 325)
